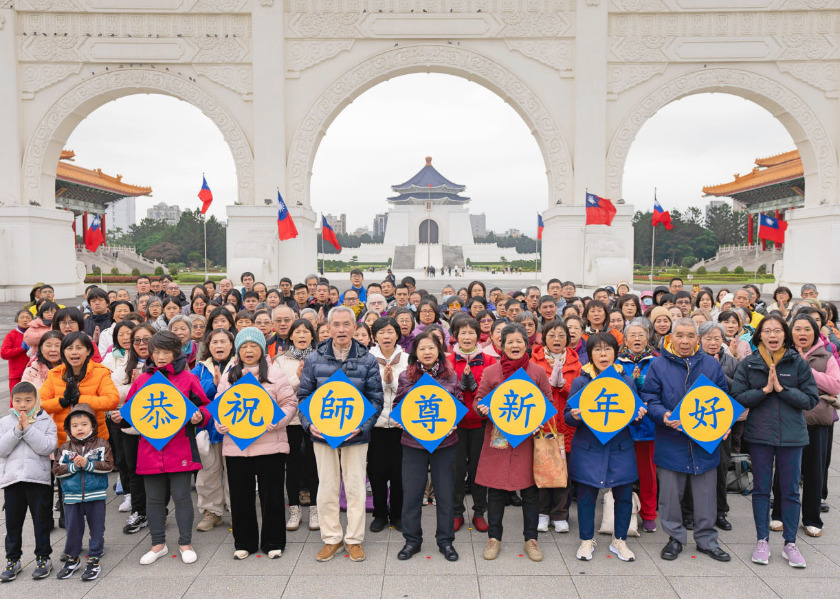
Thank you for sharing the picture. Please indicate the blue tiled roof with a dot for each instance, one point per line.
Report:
(428, 175)
(423, 196)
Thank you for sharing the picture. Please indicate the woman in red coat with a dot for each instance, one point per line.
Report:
(13, 350)
(562, 366)
(469, 364)
(501, 467)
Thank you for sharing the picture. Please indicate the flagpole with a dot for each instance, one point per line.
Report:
(278, 243)
(652, 244)
(584, 237)
(204, 218)
(322, 244)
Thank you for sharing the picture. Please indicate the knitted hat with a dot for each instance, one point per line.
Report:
(250, 334)
(654, 314)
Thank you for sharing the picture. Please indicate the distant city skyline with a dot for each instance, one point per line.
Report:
(381, 139)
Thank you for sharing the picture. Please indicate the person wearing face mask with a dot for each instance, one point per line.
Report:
(211, 482)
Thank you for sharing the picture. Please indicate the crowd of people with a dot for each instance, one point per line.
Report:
(72, 369)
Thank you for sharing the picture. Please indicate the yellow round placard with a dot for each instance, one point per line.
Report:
(158, 411)
(517, 407)
(706, 413)
(337, 408)
(607, 405)
(428, 413)
(246, 409)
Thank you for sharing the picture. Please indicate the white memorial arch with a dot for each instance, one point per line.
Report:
(584, 75)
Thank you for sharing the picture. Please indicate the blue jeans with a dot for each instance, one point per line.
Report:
(789, 466)
(587, 497)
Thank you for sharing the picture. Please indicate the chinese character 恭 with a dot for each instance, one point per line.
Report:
(513, 406)
(606, 405)
(337, 407)
(701, 413)
(240, 408)
(429, 412)
(156, 410)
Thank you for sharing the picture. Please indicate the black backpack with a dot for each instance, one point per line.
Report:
(739, 478)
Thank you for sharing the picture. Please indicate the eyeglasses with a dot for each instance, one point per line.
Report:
(141, 341)
(772, 332)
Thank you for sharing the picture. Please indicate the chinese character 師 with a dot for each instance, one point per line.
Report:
(700, 413)
(513, 406)
(429, 412)
(337, 407)
(606, 405)
(242, 408)
(156, 410)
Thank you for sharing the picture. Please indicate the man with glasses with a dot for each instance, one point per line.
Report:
(282, 319)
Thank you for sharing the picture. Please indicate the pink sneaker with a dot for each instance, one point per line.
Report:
(793, 556)
(761, 553)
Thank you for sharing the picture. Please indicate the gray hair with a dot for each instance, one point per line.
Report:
(197, 317)
(708, 327)
(307, 311)
(310, 277)
(742, 314)
(641, 322)
(374, 297)
(807, 287)
(180, 318)
(684, 322)
(340, 310)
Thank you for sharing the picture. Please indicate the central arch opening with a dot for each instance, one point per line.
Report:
(428, 231)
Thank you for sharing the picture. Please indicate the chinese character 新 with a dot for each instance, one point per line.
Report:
(429, 412)
(514, 404)
(243, 408)
(701, 412)
(606, 405)
(337, 407)
(156, 411)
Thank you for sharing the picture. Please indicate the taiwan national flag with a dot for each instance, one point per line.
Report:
(660, 216)
(205, 195)
(93, 236)
(327, 234)
(540, 226)
(599, 211)
(771, 229)
(285, 225)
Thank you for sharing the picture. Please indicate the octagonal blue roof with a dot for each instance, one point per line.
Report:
(428, 183)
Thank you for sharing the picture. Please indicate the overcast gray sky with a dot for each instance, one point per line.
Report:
(381, 139)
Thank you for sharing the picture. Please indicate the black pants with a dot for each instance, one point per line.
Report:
(814, 456)
(384, 465)
(722, 502)
(827, 461)
(555, 502)
(467, 452)
(136, 486)
(115, 440)
(300, 465)
(415, 464)
(496, 501)
(268, 470)
(38, 499)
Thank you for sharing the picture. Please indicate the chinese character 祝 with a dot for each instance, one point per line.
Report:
(429, 412)
(701, 413)
(513, 406)
(240, 408)
(337, 407)
(606, 405)
(156, 410)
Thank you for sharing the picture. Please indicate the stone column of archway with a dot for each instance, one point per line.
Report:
(46, 142)
(820, 219)
(438, 58)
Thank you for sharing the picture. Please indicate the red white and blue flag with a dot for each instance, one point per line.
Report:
(205, 195)
(540, 226)
(93, 236)
(771, 229)
(285, 225)
(660, 216)
(599, 211)
(327, 234)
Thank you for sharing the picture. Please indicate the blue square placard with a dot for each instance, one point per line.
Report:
(518, 407)
(246, 408)
(706, 413)
(428, 412)
(337, 408)
(158, 411)
(607, 404)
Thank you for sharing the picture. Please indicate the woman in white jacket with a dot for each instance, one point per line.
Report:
(384, 464)
(301, 456)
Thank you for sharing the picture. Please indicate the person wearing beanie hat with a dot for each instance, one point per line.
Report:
(264, 459)
(660, 320)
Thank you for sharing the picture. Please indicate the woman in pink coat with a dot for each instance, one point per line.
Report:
(264, 458)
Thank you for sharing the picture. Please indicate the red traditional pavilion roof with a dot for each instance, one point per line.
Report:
(96, 179)
(768, 171)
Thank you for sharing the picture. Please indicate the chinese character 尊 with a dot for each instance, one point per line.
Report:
(700, 413)
(429, 412)
(156, 411)
(337, 407)
(606, 405)
(513, 406)
(242, 408)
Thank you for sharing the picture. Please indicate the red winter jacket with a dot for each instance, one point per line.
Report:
(181, 453)
(478, 363)
(12, 350)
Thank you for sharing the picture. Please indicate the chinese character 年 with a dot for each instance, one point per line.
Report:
(606, 405)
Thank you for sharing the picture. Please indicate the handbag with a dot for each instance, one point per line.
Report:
(550, 470)
(823, 413)
(608, 517)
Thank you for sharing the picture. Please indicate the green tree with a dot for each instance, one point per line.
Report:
(686, 239)
(729, 227)
(164, 252)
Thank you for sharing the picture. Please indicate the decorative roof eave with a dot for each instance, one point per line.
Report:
(96, 179)
(423, 197)
(781, 172)
(428, 174)
(778, 159)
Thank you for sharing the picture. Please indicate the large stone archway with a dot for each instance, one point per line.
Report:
(428, 58)
(48, 139)
(805, 127)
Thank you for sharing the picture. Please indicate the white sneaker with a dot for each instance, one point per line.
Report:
(125, 506)
(560, 525)
(620, 548)
(240, 554)
(776, 525)
(293, 523)
(314, 522)
(275, 553)
(152, 556)
(189, 556)
(586, 549)
(543, 523)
